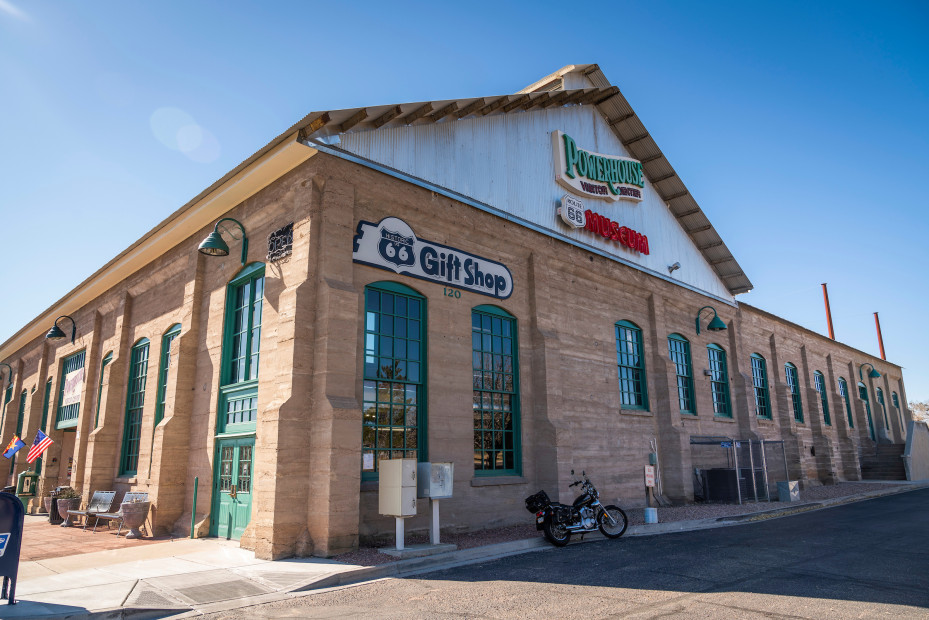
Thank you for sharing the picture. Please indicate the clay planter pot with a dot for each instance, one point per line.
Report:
(48, 504)
(134, 516)
(64, 505)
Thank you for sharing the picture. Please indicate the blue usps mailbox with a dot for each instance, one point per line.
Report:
(12, 516)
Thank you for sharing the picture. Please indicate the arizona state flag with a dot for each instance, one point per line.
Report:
(13, 447)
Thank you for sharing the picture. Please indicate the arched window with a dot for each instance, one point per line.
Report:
(843, 392)
(793, 384)
(46, 400)
(164, 367)
(719, 380)
(863, 395)
(819, 381)
(495, 384)
(760, 387)
(238, 392)
(896, 401)
(880, 399)
(69, 391)
(107, 359)
(135, 403)
(679, 350)
(630, 363)
(19, 425)
(394, 399)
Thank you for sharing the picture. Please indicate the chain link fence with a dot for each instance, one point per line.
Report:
(729, 470)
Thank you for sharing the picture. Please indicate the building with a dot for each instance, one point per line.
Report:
(509, 283)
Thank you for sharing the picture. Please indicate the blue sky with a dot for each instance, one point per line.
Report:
(800, 129)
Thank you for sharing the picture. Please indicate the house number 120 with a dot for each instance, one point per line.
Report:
(450, 292)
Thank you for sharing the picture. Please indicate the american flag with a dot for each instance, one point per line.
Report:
(40, 445)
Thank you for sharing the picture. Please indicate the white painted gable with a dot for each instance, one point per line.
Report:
(507, 162)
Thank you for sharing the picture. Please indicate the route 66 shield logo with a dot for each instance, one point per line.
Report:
(396, 248)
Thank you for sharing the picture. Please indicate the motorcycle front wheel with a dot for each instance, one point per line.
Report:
(615, 529)
(557, 534)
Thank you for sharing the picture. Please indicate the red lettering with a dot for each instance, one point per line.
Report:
(608, 229)
(643, 247)
(614, 231)
(624, 235)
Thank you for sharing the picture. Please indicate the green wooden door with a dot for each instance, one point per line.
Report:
(232, 487)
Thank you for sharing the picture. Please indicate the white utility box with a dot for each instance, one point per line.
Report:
(397, 487)
(435, 480)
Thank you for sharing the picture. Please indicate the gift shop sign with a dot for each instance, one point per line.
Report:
(593, 174)
(574, 214)
(391, 244)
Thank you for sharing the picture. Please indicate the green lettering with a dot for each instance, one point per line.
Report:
(582, 161)
(570, 154)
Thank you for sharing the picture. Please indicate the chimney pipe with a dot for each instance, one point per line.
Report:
(828, 312)
(880, 340)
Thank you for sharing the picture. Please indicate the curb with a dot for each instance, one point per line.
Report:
(486, 553)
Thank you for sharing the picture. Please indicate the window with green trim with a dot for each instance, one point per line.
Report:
(6, 400)
(394, 403)
(679, 350)
(760, 387)
(793, 384)
(164, 366)
(495, 371)
(238, 403)
(719, 381)
(135, 403)
(630, 363)
(896, 401)
(863, 395)
(72, 378)
(880, 399)
(819, 382)
(843, 392)
(19, 425)
(106, 362)
(46, 400)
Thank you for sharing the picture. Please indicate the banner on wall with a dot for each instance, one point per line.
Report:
(391, 244)
(74, 382)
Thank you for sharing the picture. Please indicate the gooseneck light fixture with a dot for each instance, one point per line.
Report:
(716, 324)
(214, 245)
(873, 374)
(55, 333)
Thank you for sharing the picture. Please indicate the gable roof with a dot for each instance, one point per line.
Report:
(548, 92)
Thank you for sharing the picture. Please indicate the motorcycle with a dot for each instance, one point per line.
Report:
(587, 514)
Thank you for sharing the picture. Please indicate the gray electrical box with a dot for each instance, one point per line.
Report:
(435, 480)
(397, 487)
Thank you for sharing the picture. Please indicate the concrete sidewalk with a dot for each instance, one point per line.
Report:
(191, 577)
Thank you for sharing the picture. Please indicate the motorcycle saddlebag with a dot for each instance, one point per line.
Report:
(535, 503)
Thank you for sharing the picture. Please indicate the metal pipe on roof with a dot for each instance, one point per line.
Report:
(828, 311)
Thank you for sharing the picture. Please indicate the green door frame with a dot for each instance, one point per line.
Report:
(231, 507)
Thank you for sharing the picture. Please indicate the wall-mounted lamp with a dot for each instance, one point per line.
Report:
(55, 332)
(9, 370)
(673, 268)
(214, 245)
(716, 324)
(873, 374)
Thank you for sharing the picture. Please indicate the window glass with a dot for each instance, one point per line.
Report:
(819, 382)
(843, 392)
(719, 381)
(793, 384)
(495, 399)
(69, 390)
(631, 366)
(164, 368)
(679, 350)
(135, 403)
(394, 376)
(238, 403)
(760, 386)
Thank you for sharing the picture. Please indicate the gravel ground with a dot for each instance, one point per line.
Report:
(369, 556)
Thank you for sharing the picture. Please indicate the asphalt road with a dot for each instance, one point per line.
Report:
(864, 560)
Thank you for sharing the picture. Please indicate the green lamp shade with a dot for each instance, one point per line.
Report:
(874, 374)
(213, 245)
(716, 325)
(55, 333)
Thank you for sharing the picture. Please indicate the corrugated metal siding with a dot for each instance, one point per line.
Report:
(506, 161)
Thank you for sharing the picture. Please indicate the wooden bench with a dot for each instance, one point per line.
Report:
(118, 516)
(102, 501)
